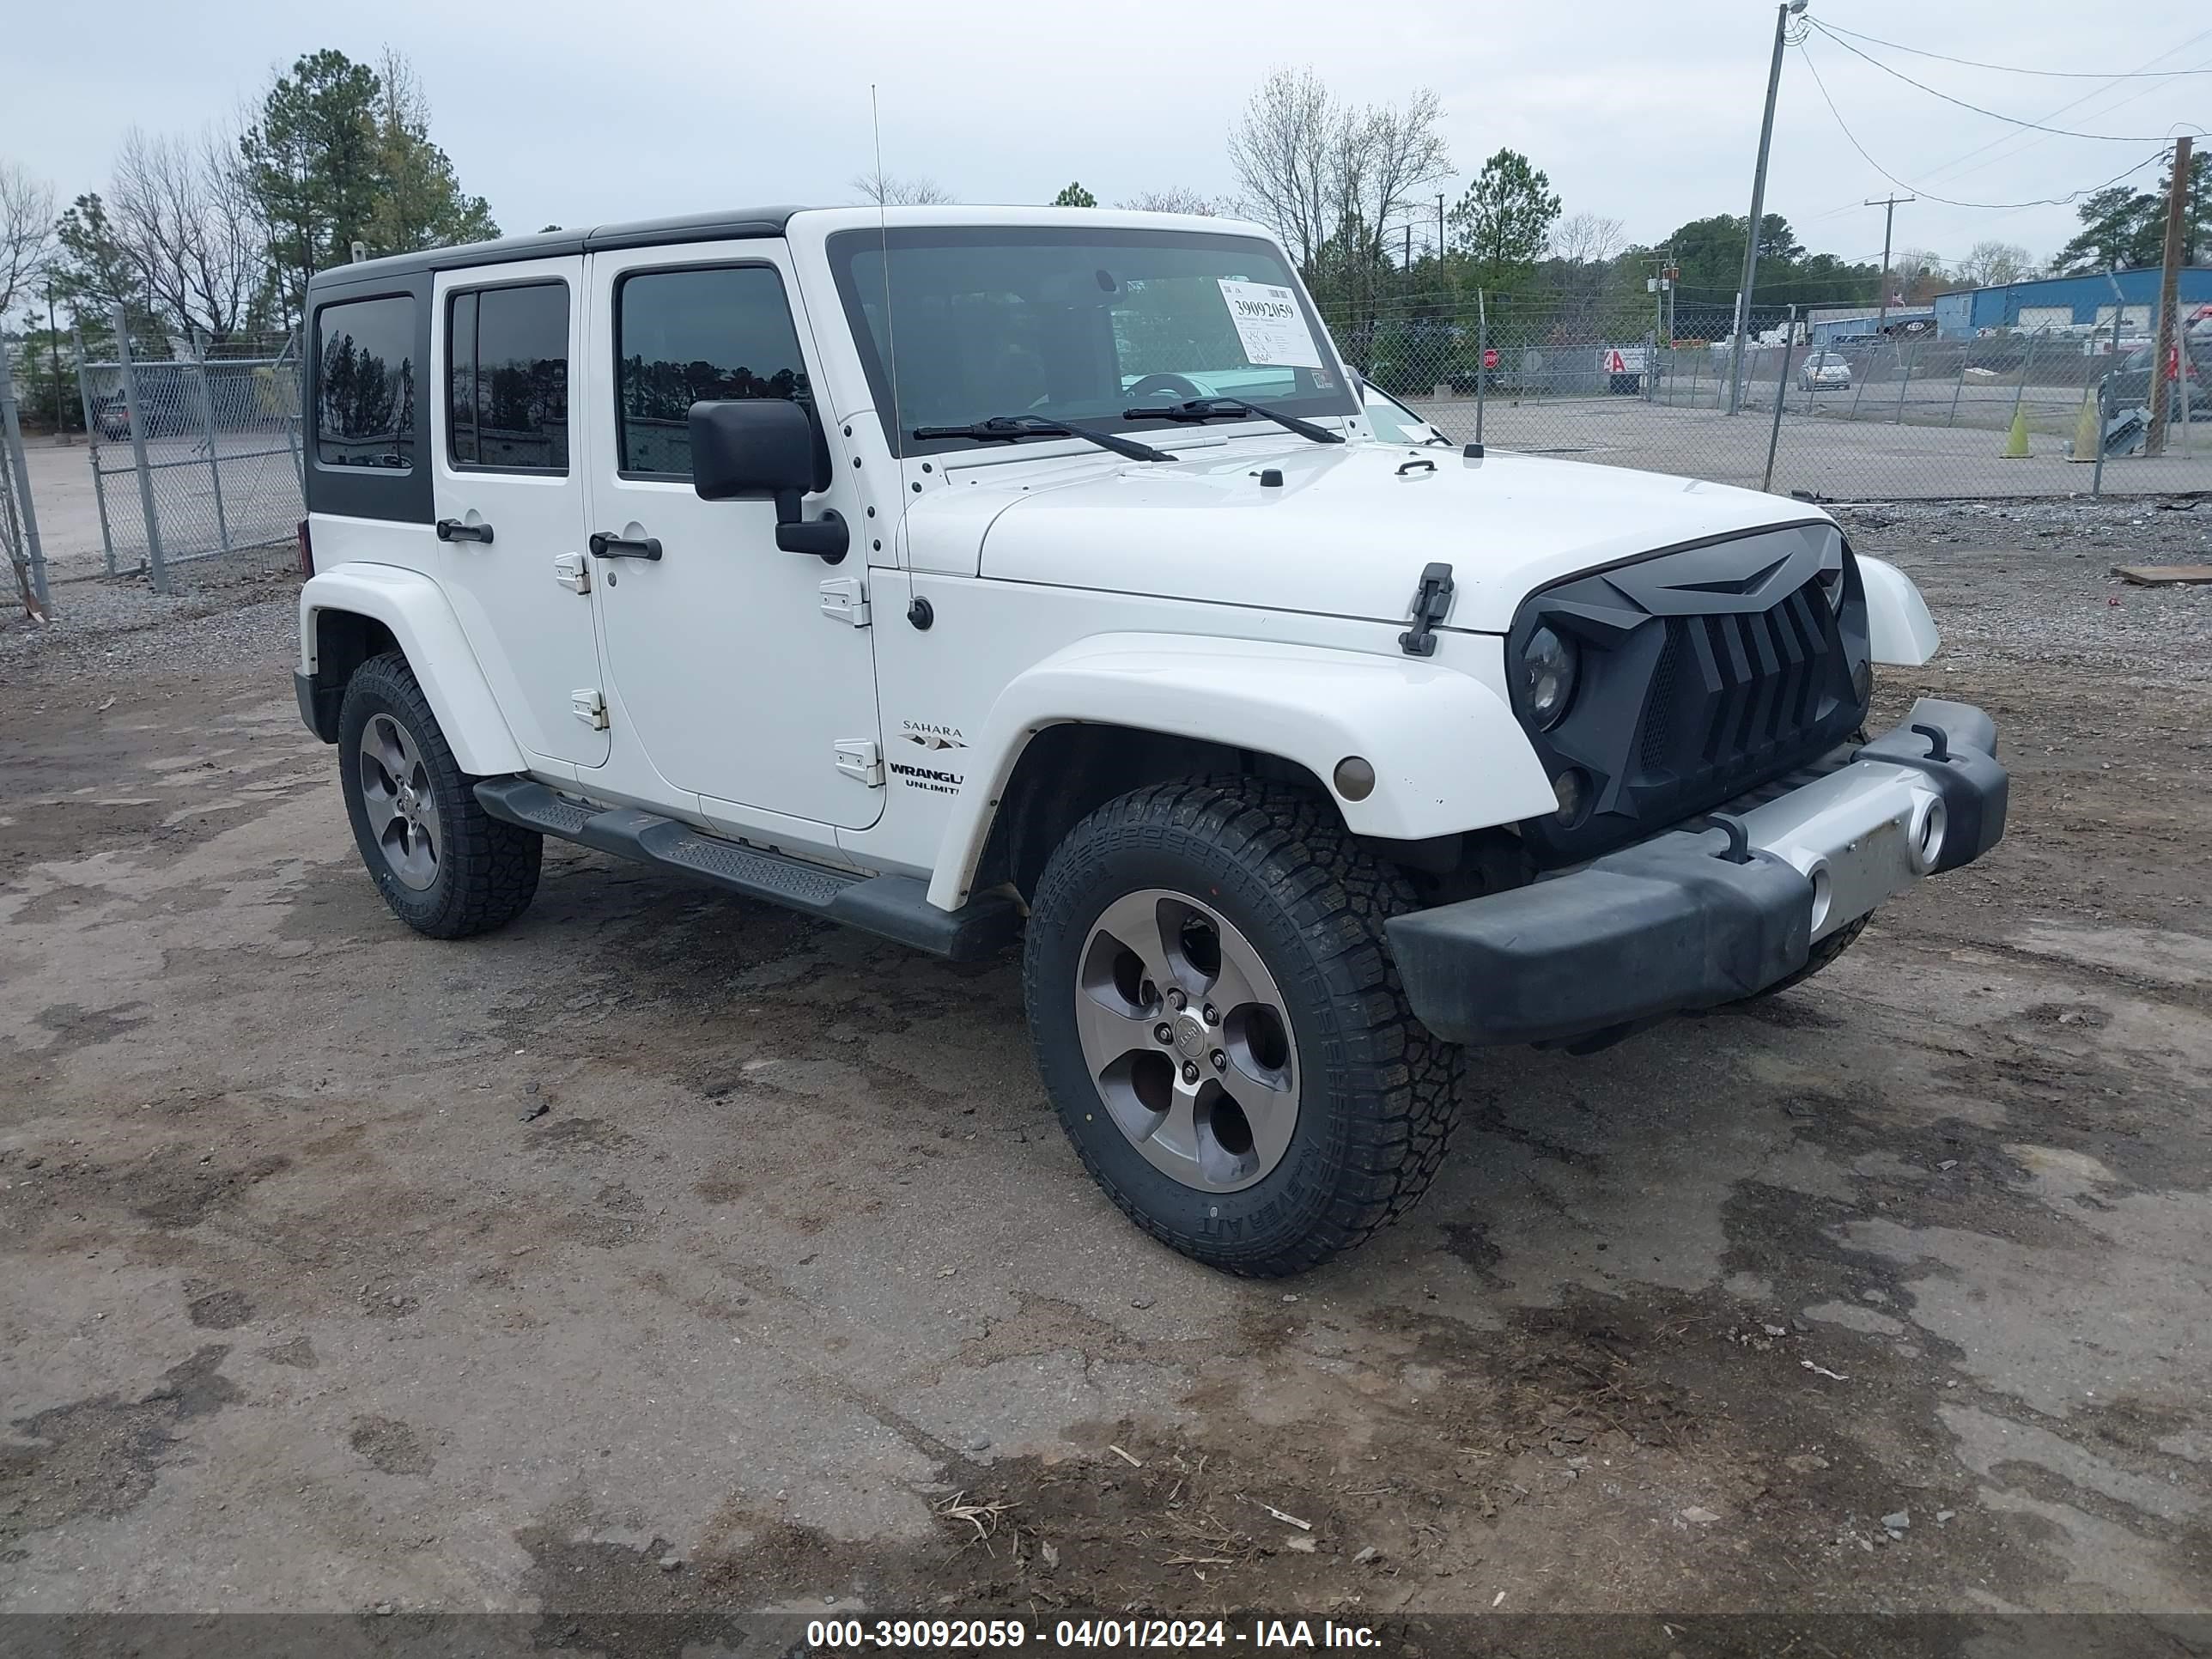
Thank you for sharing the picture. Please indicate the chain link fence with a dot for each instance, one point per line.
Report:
(20, 542)
(1867, 416)
(194, 453)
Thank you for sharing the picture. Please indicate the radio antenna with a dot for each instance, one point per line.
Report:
(883, 237)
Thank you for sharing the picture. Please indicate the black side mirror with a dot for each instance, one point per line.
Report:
(767, 446)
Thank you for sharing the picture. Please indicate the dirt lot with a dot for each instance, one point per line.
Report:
(667, 1254)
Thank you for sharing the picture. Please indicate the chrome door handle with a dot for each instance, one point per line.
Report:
(620, 547)
(453, 530)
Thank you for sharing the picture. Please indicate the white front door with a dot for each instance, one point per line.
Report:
(725, 670)
(503, 341)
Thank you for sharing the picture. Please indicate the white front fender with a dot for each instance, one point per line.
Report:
(1899, 630)
(423, 621)
(1448, 753)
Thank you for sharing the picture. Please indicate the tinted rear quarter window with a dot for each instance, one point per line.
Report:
(700, 335)
(365, 384)
(508, 356)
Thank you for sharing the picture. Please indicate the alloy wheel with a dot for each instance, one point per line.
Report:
(401, 805)
(1186, 1036)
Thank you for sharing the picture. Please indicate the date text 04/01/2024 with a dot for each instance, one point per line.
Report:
(897, 1635)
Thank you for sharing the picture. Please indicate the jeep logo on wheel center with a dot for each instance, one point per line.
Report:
(1290, 765)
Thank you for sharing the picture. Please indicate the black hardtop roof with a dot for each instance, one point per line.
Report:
(731, 226)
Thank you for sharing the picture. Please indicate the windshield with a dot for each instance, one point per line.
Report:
(1066, 324)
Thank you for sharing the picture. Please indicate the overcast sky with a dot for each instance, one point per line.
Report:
(562, 111)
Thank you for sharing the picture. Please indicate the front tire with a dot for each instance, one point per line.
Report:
(1218, 1023)
(445, 866)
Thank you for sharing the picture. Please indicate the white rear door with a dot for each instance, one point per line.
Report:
(502, 345)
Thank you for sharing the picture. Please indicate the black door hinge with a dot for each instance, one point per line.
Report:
(1432, 600)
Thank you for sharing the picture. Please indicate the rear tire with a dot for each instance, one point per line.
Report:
(445, 866)
(1310, 1022)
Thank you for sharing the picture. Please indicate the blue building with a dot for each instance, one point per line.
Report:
(2071, 302)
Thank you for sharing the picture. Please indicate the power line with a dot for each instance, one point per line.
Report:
(1994, 115)
(2021, 143)
(1833, 29)
(2016, 143)
(2067, 200)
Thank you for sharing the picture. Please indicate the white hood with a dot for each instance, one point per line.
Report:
(1346, 533)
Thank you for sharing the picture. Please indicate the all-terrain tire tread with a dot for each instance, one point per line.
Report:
(492, 867)
(1403, 1081)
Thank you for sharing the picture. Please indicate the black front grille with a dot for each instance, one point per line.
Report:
(1659, 711)
(1706, 671)
(1760, 678)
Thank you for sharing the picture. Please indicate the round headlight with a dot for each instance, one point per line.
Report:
(1548, 665)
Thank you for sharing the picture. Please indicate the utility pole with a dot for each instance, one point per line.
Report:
(2169, 299)
(1440, 224)
(1783, 14)
(54, 357)
(1889, 205)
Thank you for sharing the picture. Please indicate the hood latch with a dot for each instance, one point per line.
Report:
(1431, 603)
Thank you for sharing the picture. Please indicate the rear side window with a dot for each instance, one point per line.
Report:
(365, 384)
(700, 335)
(507, 356)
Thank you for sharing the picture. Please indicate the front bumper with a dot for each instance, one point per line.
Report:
(1712, 913)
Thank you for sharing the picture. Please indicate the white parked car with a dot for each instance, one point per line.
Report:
(916, 571)
(1825, 371)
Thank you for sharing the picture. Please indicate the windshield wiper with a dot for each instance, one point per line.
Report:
(1008, 429)
(1234, 409)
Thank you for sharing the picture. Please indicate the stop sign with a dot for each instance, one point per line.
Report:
(1490, 357)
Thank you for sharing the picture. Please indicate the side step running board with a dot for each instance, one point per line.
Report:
(895, 907)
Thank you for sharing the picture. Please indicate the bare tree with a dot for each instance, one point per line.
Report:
(1328, 175)
(27, 231)
(1287, 151)
(1175, 198)
(1588, 239)
(1993, 263)
(1915, 274)
(183, 221)
(889, 190)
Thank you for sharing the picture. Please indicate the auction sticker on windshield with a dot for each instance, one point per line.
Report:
(1270, 324)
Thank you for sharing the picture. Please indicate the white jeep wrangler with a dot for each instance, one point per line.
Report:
(974, 574)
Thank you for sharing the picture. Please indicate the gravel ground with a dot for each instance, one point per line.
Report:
(1998, 579)
(665, 1255)
(218, 609)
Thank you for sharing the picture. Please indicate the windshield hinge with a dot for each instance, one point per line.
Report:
(845, 601)
(1431, 601)
(862, 758)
